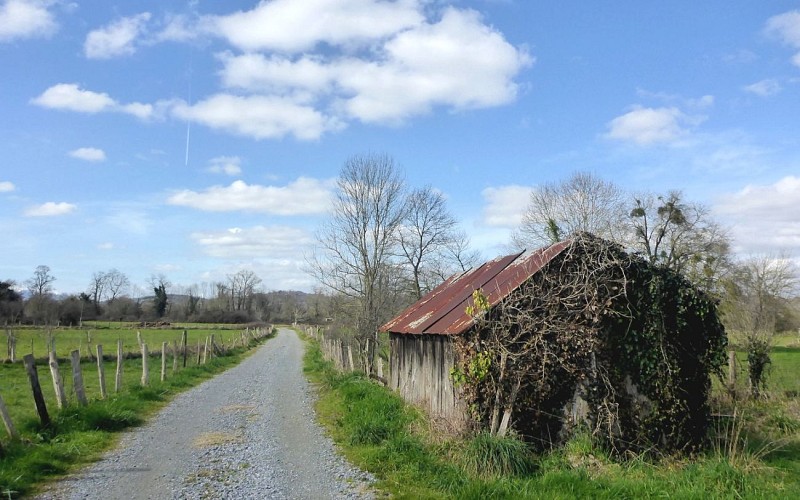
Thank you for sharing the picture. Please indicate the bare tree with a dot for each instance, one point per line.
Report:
(97, 287)
(756, 293)
(242, 285)
(356, 245)
(41, 284)
(116, 283)
(426, 231)
(457, 256)
(581, 203)
(679, 235)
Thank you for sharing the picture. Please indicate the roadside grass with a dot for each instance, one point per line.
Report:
(756, 455)
(79, 435)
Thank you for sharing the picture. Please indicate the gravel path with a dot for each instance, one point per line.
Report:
(247, 433)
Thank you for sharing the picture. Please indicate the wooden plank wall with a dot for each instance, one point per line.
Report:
(420, 371)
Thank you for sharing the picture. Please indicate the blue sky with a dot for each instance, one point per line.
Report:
(480, 99)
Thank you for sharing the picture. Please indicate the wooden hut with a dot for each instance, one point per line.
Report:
(612, 348)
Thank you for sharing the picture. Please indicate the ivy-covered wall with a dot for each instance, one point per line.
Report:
(630, 344)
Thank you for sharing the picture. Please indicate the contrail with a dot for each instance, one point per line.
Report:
(188, 120)
(188, 129)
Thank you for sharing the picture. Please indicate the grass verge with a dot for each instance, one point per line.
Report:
(379, 433)
(79, 435)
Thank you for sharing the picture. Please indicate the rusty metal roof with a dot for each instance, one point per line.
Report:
(443, 310)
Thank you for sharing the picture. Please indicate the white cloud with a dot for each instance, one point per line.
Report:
(228, 165)
(276, 74)
(303, 196)
(178, 28)
(324, 63)
(786, 27)
(457, 62)
(272, 242)
(70, 97)
(764, 217)
(116, 39)
(88, 154)
(260, 117)
(105, 246)
(646, 126)
(132, 220)
(50, 209)
(292, 26)
(505, 205)
(26, 19)
(7, 187)
(764, 88)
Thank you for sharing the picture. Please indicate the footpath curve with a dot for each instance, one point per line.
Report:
(249, 432)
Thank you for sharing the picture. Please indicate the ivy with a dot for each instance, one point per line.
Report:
(637, 341)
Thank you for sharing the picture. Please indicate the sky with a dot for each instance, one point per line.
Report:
(195, 139)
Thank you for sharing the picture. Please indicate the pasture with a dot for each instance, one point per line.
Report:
(78, 433)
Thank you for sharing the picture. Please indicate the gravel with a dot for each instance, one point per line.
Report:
(248, 433)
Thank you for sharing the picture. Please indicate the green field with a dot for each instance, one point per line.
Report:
(34, 340)
(79, 434)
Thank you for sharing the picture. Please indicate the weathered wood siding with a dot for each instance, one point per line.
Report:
(420, 371)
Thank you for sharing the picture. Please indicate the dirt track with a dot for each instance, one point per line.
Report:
(248, 433)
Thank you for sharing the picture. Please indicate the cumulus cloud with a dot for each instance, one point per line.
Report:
(228, 165)
(301, 197)
(50, 209)
(309, 68)
(786, 27)
(764, 88)
(71, 97)
(292, 26)
(88, 154)
(26, 19)
(259, 117)
(647, 126)
(272, 242)
(504, 205)
(764, 217)
(116, 39)
(457, 62)
(7, 187)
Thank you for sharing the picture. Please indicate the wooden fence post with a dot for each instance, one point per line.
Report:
(145, 367)
(38, 398)
(184, 341)
(58, 382)
(163, 361)
(12, 431)
(205, 352)
(174, 356)
(101, 372)
(731, 369)
(199, 351)
(118, 375)
(77, 377)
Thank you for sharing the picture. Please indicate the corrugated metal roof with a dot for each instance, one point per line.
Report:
(443, 310)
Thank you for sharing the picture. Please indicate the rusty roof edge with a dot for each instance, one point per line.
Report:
(419, 304)
(486, 264)
(546, 253)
